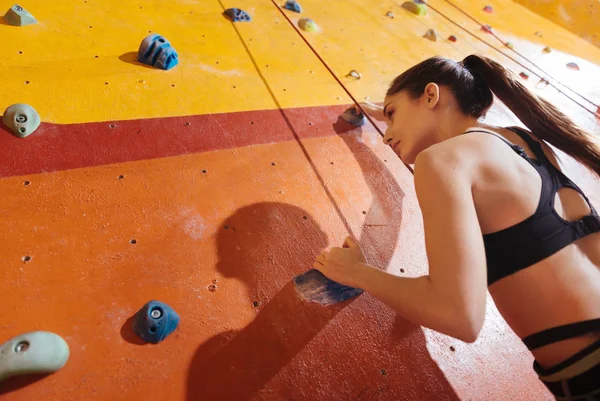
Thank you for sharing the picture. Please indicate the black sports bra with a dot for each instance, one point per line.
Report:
(543, 233)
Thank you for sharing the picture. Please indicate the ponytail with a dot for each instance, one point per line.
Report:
(540, 116)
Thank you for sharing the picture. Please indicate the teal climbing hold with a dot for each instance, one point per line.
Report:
(36, 352)
(21, 119)
(237, 15)
(18, 16)
(293, 5)
(308, 25)
(155, 321)
(156, 50)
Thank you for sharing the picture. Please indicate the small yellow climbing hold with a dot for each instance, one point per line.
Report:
(547, 49)
(415, 8)
(308, 25)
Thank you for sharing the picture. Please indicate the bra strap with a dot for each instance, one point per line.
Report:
(560, 333)
(534, 145)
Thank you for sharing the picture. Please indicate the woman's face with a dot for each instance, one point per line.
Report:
(411, 123)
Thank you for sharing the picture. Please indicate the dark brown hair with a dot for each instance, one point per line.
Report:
(473, 80)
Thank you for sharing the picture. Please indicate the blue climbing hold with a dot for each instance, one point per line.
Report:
(155, 321)
(156, 50)
(236, 15)
(353, 117)
(293, 5)
(313, 286)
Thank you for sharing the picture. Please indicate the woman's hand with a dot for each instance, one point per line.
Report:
(372, 109)
(343, 265)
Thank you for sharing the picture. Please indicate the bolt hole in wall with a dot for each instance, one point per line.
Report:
(133, 241)
(121, 177)
(26, 258)
(22, 346)
(26, 182)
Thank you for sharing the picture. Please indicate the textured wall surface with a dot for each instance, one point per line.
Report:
(578, 16)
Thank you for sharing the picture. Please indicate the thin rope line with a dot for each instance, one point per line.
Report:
(334, 76)
(511, 58)
(516, 52)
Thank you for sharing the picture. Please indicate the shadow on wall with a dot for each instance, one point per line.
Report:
(265, 245)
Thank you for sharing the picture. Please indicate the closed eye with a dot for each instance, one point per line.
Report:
(390, 114)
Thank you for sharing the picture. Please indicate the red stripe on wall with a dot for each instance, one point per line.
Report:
(55, 147)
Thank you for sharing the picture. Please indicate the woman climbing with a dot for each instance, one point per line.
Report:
(498, 214)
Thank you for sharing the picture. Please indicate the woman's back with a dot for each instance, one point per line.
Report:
(560, 289)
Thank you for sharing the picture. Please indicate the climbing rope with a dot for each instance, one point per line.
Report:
(593, 112)
(513, 50)
(335, 76)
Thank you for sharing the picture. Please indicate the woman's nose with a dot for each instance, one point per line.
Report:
(387, 138)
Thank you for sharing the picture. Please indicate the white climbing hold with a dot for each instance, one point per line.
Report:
(355, 74)
(35, 352)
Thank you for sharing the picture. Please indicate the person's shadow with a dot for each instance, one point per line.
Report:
(265, 245)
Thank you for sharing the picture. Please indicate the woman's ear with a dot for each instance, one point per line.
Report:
(432, 94)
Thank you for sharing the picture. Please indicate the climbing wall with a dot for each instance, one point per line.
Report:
(211, 185)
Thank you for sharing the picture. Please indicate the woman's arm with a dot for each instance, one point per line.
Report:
(451, 299)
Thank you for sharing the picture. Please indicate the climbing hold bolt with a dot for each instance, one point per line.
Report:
(354, 118)
(452, 38)
(237, 15)
(354, 74)
(415, 8)
(431, 35)
(390, 14)
(546, 49)
(524, 75)
(155, 321)
(38, 352)
(510, 45)
(539, 34)
(573, 66)
(486, 28)
(293, 5)
(156, 50)
(18, 16)
(308, 25)
(488, 9)
(21, 119)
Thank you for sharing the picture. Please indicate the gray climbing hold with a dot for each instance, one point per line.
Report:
(354, 118)
(308, 25)
(18, 16)
(293, 5)
(415, 7)
(35, 352)
(431, 35)
(21, 119)
(390, 14)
